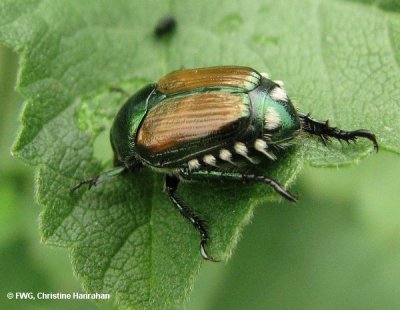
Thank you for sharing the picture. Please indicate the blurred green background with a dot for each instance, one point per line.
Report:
(338, 248)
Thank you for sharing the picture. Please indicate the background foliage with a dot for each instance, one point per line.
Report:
(339, 248)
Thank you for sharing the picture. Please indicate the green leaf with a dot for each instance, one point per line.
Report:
(339, 60)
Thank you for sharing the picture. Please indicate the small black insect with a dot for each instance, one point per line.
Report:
(165, 25)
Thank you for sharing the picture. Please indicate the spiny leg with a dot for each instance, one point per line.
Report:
(171, 185)
(323, 130)
(235, 176)
(102, 177)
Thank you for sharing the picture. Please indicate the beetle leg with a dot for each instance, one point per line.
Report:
(117, 89)
(171, 185)
(235, 176)
(102, 177)
(323, 130)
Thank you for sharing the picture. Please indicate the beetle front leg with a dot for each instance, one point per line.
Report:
(324, 131)
(235, 176)
(117, 89)
(171, 185)
(102, 177)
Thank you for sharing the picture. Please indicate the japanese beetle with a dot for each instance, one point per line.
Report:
(198, 124)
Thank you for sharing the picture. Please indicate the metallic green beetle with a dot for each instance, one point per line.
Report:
(210, 123)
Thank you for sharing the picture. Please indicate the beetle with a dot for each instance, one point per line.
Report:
(199, 124)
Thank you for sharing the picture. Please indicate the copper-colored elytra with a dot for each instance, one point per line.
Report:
(188, 118)
(225, 76)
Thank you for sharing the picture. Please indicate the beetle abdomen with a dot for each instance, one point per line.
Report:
(242, 78)
(185, 120)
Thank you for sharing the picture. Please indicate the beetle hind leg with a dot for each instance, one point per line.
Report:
(325, 132)
(171, 185)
